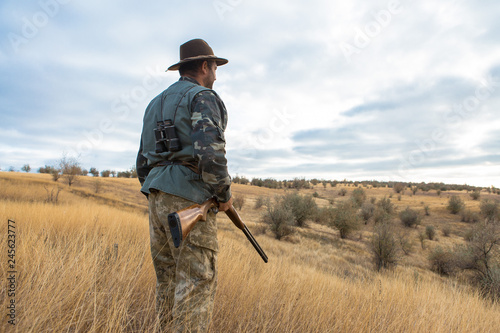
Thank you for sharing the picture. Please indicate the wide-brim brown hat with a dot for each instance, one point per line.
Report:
(196, 49)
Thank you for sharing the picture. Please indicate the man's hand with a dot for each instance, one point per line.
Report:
(223, 206)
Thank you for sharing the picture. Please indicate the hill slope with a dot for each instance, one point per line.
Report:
(83, 264)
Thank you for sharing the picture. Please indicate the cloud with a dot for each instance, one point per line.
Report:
(295, 102)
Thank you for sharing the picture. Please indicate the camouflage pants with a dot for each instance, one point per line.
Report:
(186, 277)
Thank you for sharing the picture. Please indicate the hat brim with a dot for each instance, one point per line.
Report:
(218, 61)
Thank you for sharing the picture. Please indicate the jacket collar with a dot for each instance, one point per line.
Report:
(189, 79)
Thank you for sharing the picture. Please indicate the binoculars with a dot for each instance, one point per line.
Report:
(166, 137)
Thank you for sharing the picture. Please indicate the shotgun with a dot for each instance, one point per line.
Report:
(183, 221)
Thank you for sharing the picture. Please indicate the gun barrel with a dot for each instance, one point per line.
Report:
(255, 244)
(236, 219)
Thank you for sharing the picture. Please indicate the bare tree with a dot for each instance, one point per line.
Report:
(70, 168)
(482, 256)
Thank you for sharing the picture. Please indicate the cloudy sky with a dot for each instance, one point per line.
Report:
(385, 90)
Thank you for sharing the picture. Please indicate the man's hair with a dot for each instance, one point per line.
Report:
(193, 67)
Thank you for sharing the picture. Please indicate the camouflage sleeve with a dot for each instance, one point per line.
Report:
(208, 120)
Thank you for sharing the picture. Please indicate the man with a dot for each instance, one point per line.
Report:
(175, 174)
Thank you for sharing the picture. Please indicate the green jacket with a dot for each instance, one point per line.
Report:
(200, 121)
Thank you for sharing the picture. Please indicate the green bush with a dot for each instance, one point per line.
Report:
(344, 218)
(386, 205)
(409, 217)
(381, 216)
(475, 195)
(323, 215)
(384, 246)
(427, 210)
(367, 211)
(399, 187)
(302, 207)
(430, 232)
(469, 216)
(489, 210)
(442, 261)
(261, 201)
(405, 243)
(358, 196)
(455, 204)
(280, 220)
(480, 256)
(238, 201)
(490, 284)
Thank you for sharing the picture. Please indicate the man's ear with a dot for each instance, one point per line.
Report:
(204, 67)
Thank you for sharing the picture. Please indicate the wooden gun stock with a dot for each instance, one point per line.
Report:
(183, 221)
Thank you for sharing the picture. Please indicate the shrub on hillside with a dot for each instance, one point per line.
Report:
(442, 261)
(489, 210)
(490, 284)
(324, 215)
(386, 205)
(342, 192)
(455, 204)
(367, 211)
(430, 232)
(384, 246)
(238, 201)
(280, 220)
(475, 195)
(261, 201)
(480, 256)
(301, 207)
(344, 218)
(399, 187)
(469, 216)
(381, 216)
(409, 217)
(405, 242)
(358, 196)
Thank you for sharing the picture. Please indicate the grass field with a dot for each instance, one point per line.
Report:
(83, 265)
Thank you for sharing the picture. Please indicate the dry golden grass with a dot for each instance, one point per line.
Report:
(84, 266)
